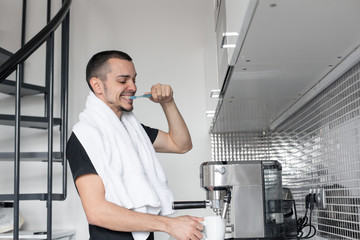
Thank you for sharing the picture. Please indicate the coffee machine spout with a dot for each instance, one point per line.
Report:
(227, 200)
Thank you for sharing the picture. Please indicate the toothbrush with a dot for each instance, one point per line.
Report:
(142, 96)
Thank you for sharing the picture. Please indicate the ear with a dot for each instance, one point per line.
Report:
(97, 85)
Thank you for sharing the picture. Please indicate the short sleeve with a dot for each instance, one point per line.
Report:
(78, 159)
(151, 132)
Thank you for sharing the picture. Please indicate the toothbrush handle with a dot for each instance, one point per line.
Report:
(142, 96)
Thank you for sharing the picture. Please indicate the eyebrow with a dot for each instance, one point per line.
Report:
(124, 75)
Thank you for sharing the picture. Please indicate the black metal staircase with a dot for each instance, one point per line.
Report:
(10, 63)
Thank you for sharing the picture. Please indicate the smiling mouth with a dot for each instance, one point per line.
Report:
(127, 98)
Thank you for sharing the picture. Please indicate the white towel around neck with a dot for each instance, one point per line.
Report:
(125, 159)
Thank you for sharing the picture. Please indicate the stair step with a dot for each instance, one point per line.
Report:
(9, 87)
(31, 156)
(32, 196)
(28, 121)
(4, 55)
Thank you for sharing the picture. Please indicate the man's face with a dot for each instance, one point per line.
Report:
(119, 85)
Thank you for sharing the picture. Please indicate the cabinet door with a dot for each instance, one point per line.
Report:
(232, 24)
(222, 53)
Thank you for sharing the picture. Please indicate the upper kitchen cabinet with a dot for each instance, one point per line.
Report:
(273, 54)
(232, 21)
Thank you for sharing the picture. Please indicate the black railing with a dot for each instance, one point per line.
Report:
(32, 45)
(15, 63)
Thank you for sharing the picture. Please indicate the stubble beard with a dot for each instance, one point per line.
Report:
(117, 106)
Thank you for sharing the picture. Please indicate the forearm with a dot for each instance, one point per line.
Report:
(178, 130)
(103, 213)
(116, 218)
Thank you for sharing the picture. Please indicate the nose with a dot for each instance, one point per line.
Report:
(131, 86)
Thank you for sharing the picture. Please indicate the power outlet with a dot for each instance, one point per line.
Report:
(320, 197)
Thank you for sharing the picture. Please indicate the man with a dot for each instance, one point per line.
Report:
(121, 184)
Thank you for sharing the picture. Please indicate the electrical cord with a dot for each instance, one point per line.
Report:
(305, 221)
(312, 204)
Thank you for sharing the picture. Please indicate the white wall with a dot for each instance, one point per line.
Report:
(167, 40)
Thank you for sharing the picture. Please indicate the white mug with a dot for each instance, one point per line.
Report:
(214, 228)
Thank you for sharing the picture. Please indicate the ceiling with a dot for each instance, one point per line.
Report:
(289, 47)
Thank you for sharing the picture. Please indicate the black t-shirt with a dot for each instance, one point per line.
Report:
(81, 164)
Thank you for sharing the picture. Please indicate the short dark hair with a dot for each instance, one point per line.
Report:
(98, 64)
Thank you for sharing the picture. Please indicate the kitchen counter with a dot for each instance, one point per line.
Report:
(57, 234)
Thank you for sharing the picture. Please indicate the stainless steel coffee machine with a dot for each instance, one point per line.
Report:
(247, 193)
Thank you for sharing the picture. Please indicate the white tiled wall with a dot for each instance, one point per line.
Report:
(318, 147)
